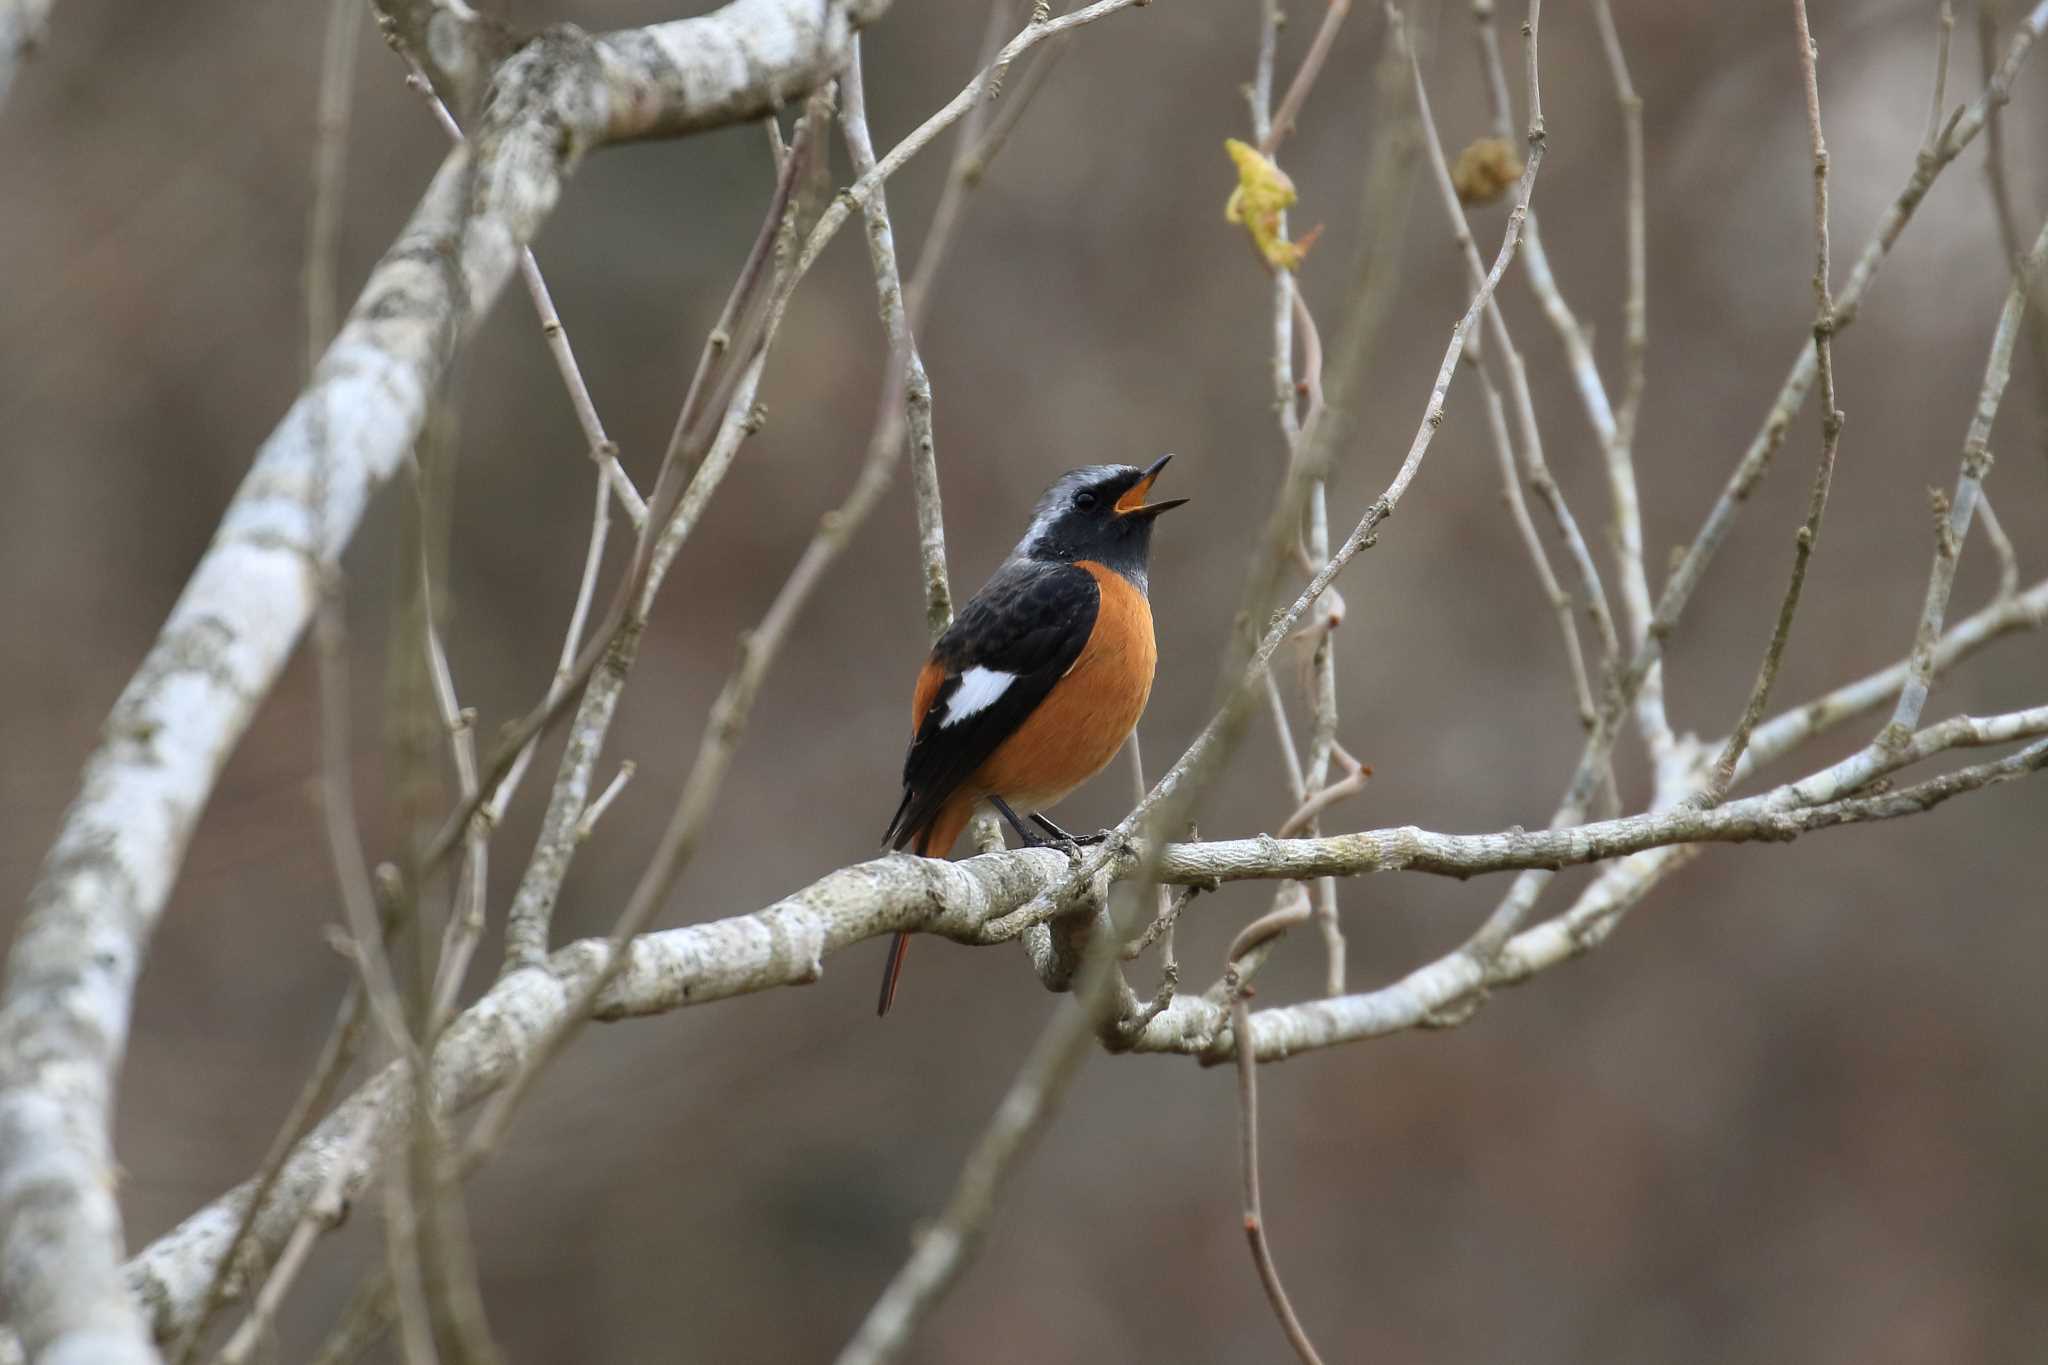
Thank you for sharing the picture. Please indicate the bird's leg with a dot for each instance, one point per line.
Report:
(1058, 839)
(1061, 836)
(1031, 837)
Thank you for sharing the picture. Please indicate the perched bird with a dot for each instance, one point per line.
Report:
(1040, 678)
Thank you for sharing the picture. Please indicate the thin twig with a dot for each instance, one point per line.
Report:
(338, 818)
(323, 1212)
(1571, 332)
(1305, 78)
(597, 808)
(1976, 463)
(330, 172)
(1613, 426)
(1518, 512)
(913, 384)
(1790, 729)
(1937, 106)
(1830, 415)
(466, 915)
(1165, 909)
(1283, 730)
(1541, 479)
(1254, 1217)
(2001, 547)
(314, 1097)
(609, 656)
(403, 1262)
(1010, 113)
(604, 452)
(363, 1323)
(1999, 185)
(1304, 818)
(1620, 449)
(1289, 309)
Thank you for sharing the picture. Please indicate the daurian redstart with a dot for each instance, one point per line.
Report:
(1041, 677)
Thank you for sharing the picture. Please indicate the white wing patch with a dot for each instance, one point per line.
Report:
(979, 687)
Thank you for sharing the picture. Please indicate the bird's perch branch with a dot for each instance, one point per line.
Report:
(978, 901)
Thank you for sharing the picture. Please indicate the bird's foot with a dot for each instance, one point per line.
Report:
(1065, 843)
(1061, 836)
(1069, 844)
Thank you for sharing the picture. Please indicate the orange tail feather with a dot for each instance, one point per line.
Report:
(898, 946)
(934, 841)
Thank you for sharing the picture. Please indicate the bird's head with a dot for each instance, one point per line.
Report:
(1098, 512)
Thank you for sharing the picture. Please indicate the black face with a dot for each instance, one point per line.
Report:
(1100, 513)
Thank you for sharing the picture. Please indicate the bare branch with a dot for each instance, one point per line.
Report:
(1614, 427)
(1782, 734)
(1254, 1216)
(1756, 459)
(979, 901)
(1540, 477)
(912, 386)
(330, 171)
(1999, 184)
(1937, 105)
(603, 451)
(1830, 413)
(318, 1092)
(1304, 80)
(1675, 771)
(1539, 560)
(1447, 991)
(1976, 464)
(323, 1212)
(2001, 546)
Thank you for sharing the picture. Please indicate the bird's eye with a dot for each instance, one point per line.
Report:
(1083, 500)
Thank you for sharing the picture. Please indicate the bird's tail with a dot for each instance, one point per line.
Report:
(898, 946)
(935, 840)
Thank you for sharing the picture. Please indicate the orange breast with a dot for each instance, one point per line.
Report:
(1084, 720)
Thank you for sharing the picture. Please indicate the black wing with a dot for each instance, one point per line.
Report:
(1030, 621)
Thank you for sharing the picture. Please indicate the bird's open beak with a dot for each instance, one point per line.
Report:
(1133, 504)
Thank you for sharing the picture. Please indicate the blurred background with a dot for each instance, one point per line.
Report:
(1791, 1111)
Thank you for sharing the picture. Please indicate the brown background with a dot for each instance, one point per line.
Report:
(1793, 1110)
